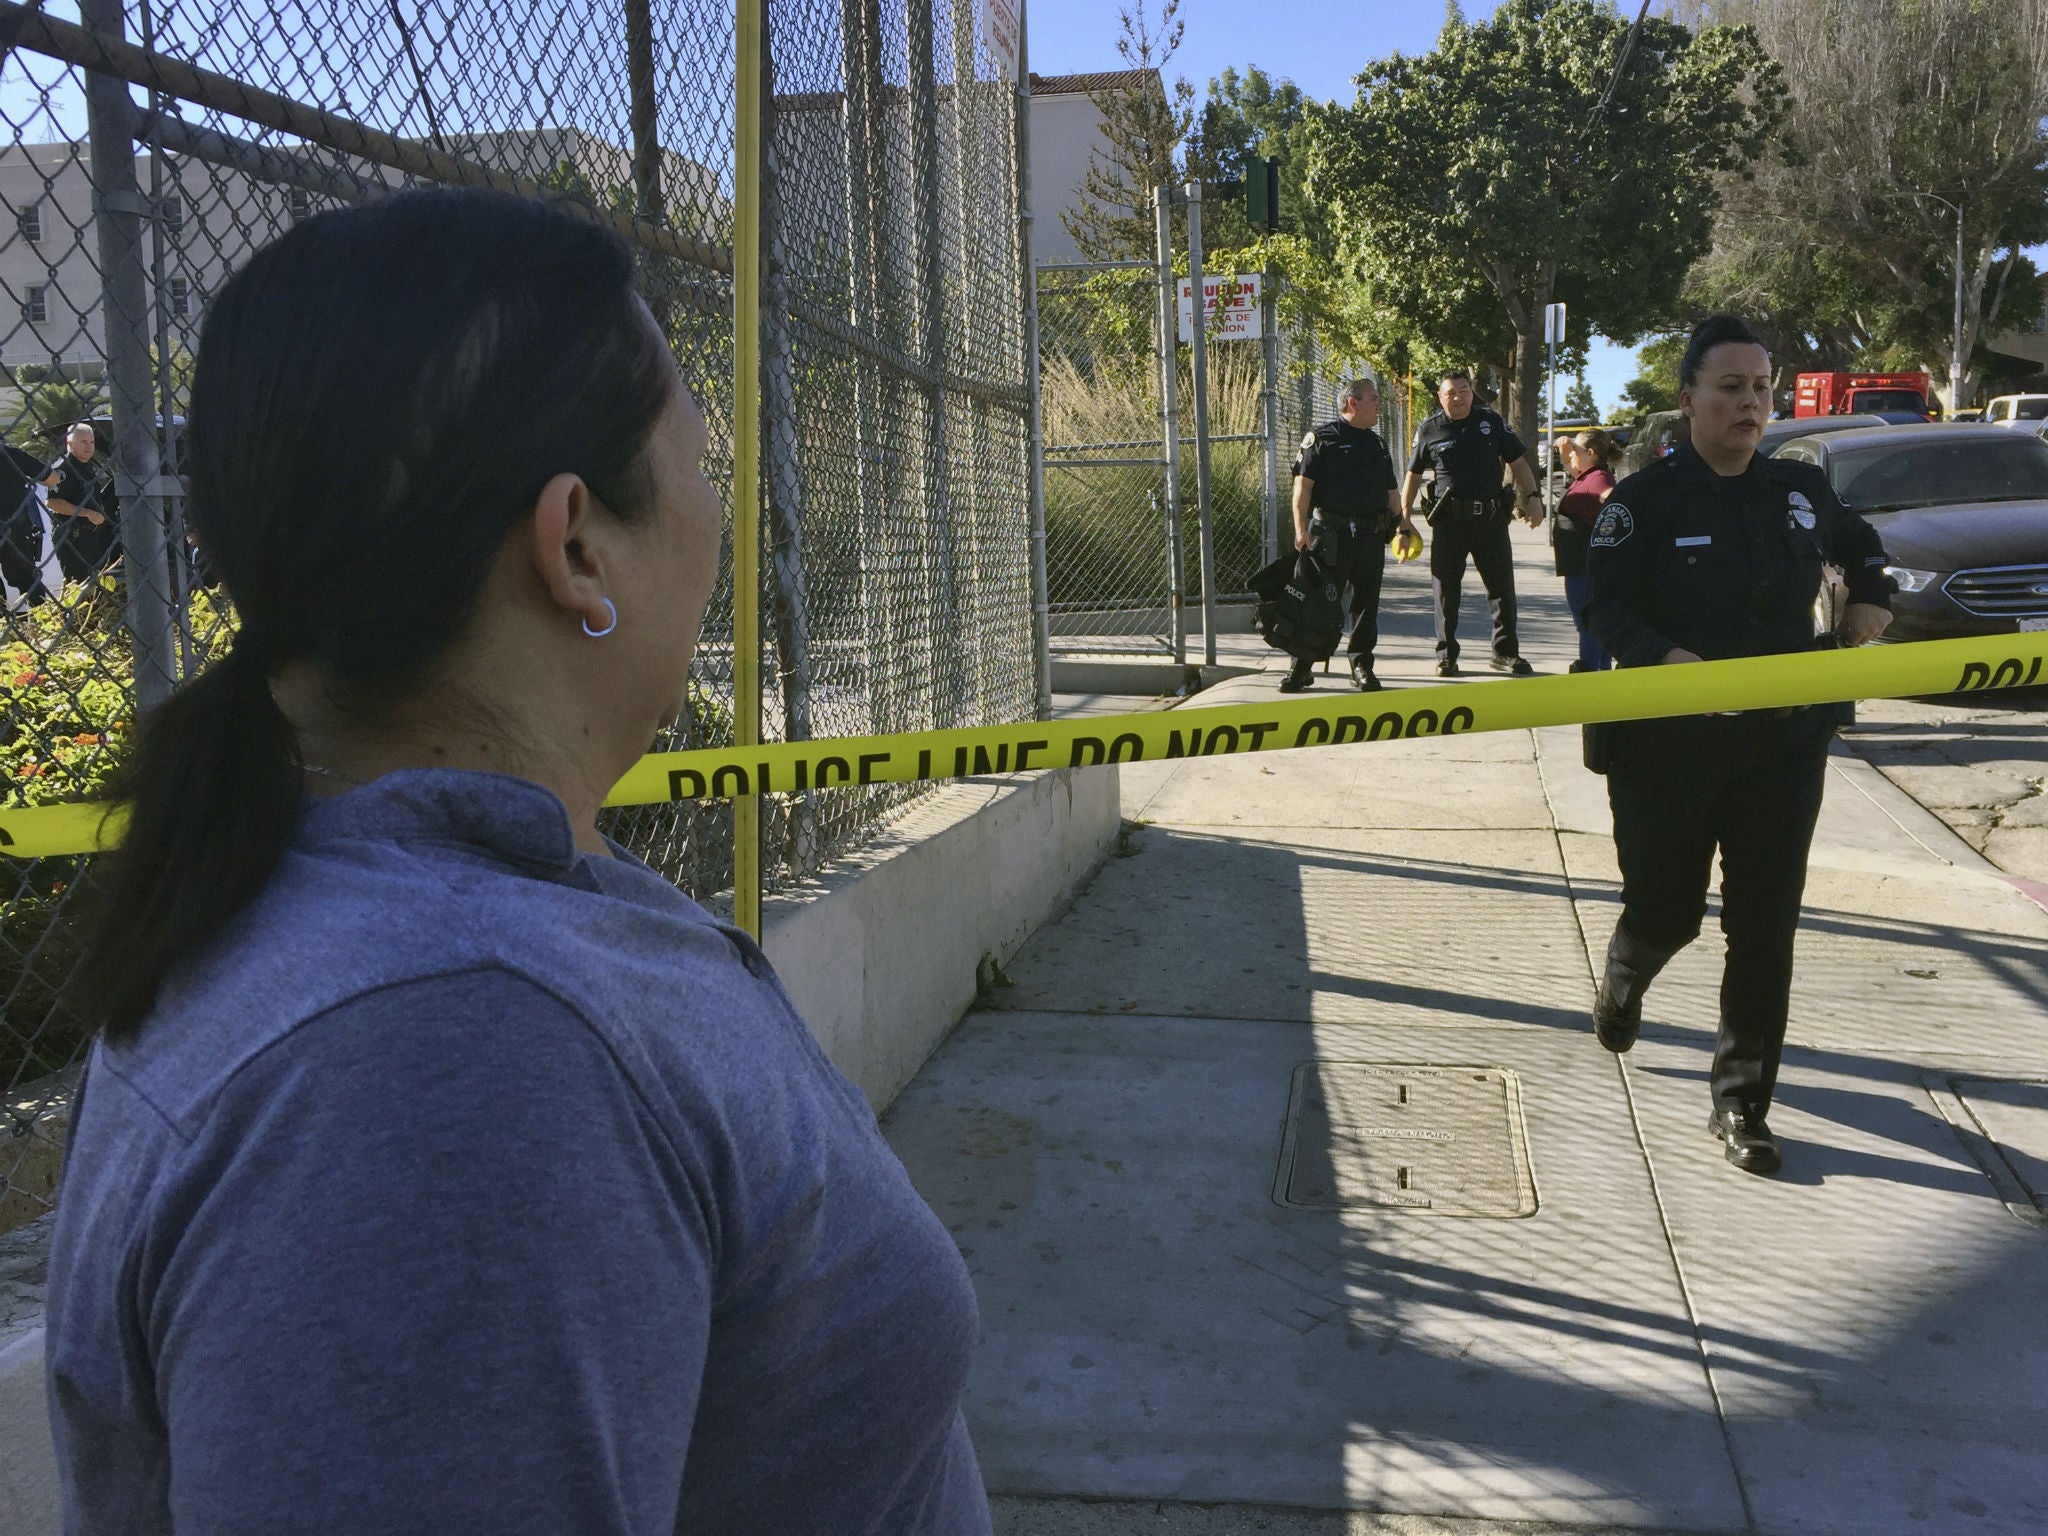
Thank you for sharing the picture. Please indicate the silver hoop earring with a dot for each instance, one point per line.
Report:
(598, 634)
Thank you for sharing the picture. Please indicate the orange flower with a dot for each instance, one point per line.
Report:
(86, 741)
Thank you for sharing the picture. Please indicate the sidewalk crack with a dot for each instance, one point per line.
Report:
(1650, 1168)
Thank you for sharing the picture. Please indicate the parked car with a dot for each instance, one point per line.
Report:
(1659, 435)
(1964, 517)
(1778, 433)
(2008, 410)
(1968, 413)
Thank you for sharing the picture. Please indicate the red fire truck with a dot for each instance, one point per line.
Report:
(1843, 394)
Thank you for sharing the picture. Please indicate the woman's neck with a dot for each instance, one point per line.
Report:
(428, 732)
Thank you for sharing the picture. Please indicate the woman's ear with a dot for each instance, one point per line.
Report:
(567, 549)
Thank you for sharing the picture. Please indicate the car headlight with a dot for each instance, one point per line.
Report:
(1909, 580)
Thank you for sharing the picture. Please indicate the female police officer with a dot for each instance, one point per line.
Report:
(1714, 553)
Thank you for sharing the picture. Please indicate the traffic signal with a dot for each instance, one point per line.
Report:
(1262, 194)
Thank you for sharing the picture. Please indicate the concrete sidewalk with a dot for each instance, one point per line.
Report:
(1213, 1300)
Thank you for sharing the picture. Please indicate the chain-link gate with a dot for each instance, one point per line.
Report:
(148, 148)
(1113, 561)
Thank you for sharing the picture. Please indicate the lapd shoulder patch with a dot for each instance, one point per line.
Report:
(1613, 526)
(1801, 510)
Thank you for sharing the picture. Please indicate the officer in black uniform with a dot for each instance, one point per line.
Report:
(1345, 510)
(84, 509)
(1716, 552)
(1465, 444)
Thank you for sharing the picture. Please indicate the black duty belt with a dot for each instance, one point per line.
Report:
(1463, 506)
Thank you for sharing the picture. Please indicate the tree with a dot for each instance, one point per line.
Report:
(1655, 386)
(1844, 244)
(1248, 117)
(1497, 172)
(1143, 128)
(1579, 403)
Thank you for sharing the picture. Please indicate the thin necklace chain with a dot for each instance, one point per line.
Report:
(330, 773)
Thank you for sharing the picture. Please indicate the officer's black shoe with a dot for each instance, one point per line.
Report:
(1302, 676)
(1618, 1004)
(1514, 666)
(1746, 1140)
(1617, 1014)
(1362, 678)
(1448, 669)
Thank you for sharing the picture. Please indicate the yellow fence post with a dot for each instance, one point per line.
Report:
(746, 454)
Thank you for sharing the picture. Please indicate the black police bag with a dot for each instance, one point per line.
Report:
(1300, 608)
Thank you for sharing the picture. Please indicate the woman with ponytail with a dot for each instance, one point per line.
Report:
(440, 1168)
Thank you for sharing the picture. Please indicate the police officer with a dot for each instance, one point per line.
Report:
(83, 506)
(1716, 552)
(1464, 445)
(1345, 509)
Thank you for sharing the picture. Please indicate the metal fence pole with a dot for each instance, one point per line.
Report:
(746, 455)
(787, 492)
(118, 211)
(931, 351)
(876, 550)
(1169, 399)
(1041, 603)
(1269, 406)
(1198, 347)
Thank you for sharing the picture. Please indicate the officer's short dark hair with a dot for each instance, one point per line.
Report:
(1453, 373)
(1712, 332)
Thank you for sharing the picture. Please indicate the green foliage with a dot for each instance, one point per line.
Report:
(1142, 132)
(1473, 185)
(48, 405)
(1579, 402)
(1841, 248)
(1105, 540)
(67, 695)
(1655, 386)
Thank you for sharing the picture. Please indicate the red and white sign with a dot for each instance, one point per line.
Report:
(999, 31)
(1230, 306)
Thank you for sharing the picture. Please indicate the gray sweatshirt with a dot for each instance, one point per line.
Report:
(469, 1184)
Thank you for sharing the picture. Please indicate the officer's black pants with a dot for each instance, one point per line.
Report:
(1751, 785)
(1354, 553)
(1452, 537)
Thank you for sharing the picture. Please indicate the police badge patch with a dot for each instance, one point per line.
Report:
(1308, 441)
(1614, 526)
(1801, 510)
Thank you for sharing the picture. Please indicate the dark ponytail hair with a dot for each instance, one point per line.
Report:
(378, 398)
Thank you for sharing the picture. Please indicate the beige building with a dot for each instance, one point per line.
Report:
(1066, 135)
(211, 219)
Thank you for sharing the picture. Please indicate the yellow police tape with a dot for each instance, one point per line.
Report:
(1763, 682)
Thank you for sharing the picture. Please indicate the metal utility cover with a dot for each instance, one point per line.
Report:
(2003, 1121)
(1428, 1140)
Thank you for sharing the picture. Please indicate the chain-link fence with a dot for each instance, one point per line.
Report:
(148, 147)
(1123, 573)
(1113, 566)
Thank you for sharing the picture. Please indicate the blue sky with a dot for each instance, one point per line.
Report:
(1318, 44)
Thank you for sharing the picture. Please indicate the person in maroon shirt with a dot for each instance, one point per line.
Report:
(1588, 458)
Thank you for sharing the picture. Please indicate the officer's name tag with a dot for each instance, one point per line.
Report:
(1695, 543)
